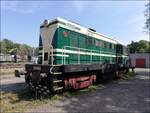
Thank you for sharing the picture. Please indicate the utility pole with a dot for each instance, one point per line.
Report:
(149, 19)
(33, 54)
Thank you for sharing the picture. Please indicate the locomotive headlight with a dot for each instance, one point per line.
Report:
(46, 22)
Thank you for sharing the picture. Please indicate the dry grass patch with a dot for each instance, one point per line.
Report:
(19, 101)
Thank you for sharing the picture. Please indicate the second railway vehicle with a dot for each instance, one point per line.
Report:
(73, 57)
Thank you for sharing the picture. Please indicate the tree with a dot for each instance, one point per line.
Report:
(25, 49)
(132, 47)
(6, 46)
(13, 51)
(9, 47)
(139, 47)
(143, 46)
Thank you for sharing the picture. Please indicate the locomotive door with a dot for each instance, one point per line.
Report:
(46, 55)
(119, 52)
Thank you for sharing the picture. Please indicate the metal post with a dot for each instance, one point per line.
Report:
(91, 57)
(52, 55)
(43, 56)
(100, 56)
(33, 51)
(78, 55)
(64, 56)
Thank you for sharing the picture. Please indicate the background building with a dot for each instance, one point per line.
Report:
(141, 60)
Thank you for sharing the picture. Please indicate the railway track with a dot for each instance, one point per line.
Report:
(11, 65)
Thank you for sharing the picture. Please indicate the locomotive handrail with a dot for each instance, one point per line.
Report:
(43, 56)
(51, 53)
(52, 56)
(79, 49)
(82, 50)
(63, 56)
(89, 50)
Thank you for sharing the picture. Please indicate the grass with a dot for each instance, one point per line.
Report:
(56, 97)
(129, 75)
(24, 100)
(19, 101)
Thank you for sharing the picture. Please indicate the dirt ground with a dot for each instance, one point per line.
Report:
(11, 83)
(131, 95)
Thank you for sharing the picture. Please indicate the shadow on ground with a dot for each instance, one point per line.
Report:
(131, 95)
(119, 96)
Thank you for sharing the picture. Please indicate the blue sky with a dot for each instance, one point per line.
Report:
(123, 20)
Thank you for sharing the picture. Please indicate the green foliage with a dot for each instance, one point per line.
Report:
(25, 49)
(56, 97)
(139, 47)
(6, 45)
(9, 47)
(129, 75)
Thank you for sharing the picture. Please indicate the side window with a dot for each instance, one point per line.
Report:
(110, 45)
(97, 43)
(101, 43)
(73, 40)
(82, 41)
(89, 41)
(93, 41)
(105, 44)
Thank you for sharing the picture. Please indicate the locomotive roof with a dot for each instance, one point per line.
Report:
(80, 27)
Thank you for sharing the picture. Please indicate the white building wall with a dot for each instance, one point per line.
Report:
(135, 56)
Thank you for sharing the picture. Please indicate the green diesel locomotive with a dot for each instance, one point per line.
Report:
(73, 57)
